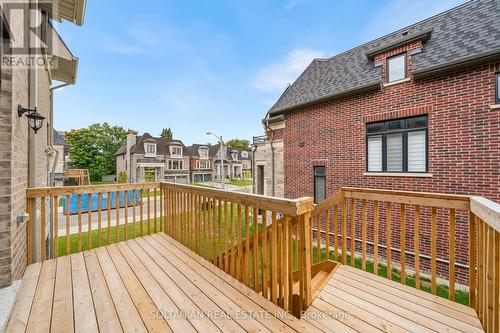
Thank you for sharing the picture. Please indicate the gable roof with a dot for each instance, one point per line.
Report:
(58, 138)
(460, 36)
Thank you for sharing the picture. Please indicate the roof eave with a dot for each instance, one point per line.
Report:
(458, 64)
(70, 10)
(424, 36)
(349, 92)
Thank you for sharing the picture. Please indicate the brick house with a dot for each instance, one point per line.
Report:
(27, 157)
(200, 163)
(146, 158)
(417, 109)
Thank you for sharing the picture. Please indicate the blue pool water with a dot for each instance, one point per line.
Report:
(73, 201)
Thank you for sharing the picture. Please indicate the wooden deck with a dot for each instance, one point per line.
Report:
(123, 287)
(357, 301)
(153, 283)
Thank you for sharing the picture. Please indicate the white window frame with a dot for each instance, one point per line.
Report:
(405, 74)
(203, 164)
(203, 152)
(173, 148)
(147, 152)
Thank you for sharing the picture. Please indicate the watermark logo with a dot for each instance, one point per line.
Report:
(32, 37)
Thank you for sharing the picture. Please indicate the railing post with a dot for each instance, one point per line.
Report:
(305, 209)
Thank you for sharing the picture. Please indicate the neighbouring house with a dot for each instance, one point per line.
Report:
(417, 109)
(200, 163)
(27, 142)
(147, 159)
(61, 158)
(236, 162)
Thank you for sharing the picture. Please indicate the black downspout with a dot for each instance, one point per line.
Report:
(272, 157)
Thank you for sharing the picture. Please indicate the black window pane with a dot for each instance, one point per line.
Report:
(417, 122)
(395, 124)
(498, 89)
(319, 171)
(375, 127)
(319, 189)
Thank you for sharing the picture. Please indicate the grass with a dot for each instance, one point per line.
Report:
(97, 182)
(207, 250)
(73, 238)
(240, 182)
(202, 185)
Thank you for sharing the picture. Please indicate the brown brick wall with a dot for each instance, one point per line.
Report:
(464, 142)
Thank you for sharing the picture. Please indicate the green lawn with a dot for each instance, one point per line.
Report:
(97, 182)
(202, 185)
(240, 182)
(73, 238)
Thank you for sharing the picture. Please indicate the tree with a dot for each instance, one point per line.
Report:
(94, 148)
(239, 144)
(166, 133)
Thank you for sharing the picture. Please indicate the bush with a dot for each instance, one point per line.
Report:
(122, 177)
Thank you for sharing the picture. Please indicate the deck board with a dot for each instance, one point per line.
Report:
(389, 306)
(154, 283)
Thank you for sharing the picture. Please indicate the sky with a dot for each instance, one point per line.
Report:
(209, 65)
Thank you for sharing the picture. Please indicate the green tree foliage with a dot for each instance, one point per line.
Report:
(94, 148)
(166, 133)
(239, 144)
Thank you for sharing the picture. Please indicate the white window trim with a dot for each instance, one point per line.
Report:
(172, 151)
(146, 147)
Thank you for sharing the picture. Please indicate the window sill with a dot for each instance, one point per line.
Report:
(495, 106)
(398, 174)
(396, 82)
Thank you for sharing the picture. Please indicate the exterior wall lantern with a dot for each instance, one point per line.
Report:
(35, 120)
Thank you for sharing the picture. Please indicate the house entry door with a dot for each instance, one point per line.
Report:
(260, 179)
(150, 174)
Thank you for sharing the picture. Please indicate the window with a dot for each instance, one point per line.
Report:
(175, 165)
(397, 145)
(319, 184)
(176, 151)
(203, 153)
(202, 164)
(396, 68)
(497, 89)
(244, 154)
(150, 148)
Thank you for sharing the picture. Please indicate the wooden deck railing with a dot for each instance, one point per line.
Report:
(99, 221)
(260, 241)
(267, 243)
(419, 233)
